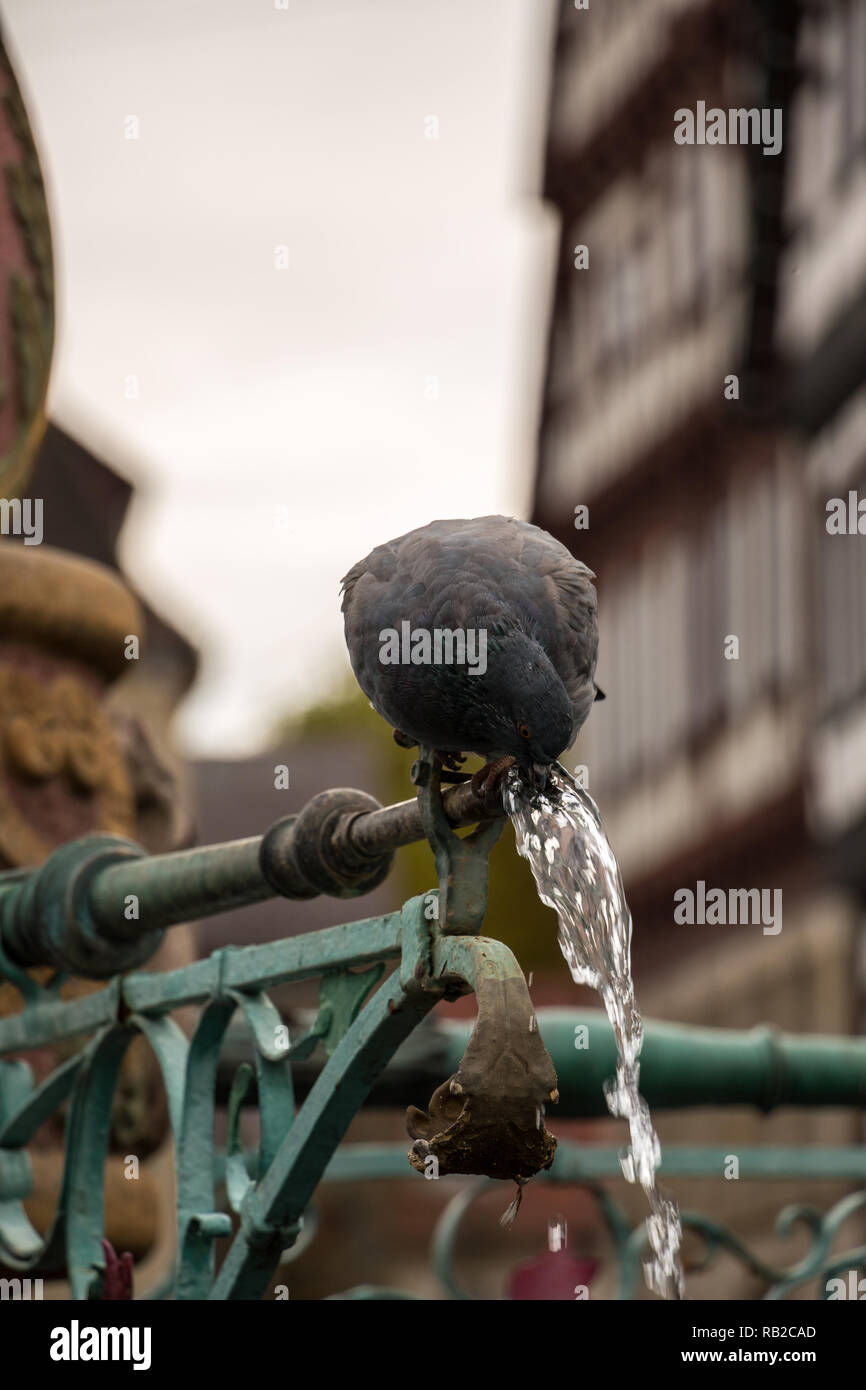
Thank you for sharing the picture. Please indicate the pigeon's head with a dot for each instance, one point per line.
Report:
(534, 717)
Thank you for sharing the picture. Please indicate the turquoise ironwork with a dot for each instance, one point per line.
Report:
(820, 1264)
(99, 907)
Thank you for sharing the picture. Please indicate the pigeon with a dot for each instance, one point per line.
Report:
(518, 608)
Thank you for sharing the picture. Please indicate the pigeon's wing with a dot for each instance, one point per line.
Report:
(437, 565)
(570, 615)
(471, 572)
(362, 590)
(437, 575)
(540, 579)
(380, 563)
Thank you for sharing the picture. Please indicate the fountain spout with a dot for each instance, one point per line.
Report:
(487, 1118)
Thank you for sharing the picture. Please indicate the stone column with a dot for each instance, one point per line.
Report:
(69, 766)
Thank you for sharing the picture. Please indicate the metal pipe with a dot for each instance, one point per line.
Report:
(98, 905)
(401, 824)
(682, 1066)
(343, 844)
(172, 888)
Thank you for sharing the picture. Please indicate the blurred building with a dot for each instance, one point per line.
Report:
(821, 334)
(705, 396)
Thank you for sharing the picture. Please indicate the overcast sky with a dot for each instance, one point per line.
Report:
(287, 420)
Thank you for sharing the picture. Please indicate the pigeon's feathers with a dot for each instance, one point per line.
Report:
(534, 600)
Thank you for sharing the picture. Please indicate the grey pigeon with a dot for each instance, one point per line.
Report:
(534, 603)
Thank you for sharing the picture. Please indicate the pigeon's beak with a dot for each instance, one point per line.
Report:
(538, 774)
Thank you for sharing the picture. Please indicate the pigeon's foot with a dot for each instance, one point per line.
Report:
(449, 760)
(487, 781)
(450, 764)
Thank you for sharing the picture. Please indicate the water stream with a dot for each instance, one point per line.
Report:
(559, 831)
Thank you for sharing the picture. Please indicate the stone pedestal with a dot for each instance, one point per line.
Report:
(69, 765)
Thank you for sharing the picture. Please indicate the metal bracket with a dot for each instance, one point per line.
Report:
(462, 864)
(489, 1116)
(341, 994)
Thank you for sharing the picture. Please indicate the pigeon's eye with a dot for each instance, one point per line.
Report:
(524, 731)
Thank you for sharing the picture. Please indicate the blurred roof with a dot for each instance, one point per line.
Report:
(84, 507)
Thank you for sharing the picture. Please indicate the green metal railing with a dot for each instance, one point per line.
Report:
(99, 907)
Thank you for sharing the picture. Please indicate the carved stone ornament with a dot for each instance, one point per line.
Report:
(63, 770)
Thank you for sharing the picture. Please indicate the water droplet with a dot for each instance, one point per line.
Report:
(557, 1234)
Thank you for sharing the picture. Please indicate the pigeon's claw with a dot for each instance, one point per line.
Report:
(487, 781)
(449, 760)
(449, 764)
